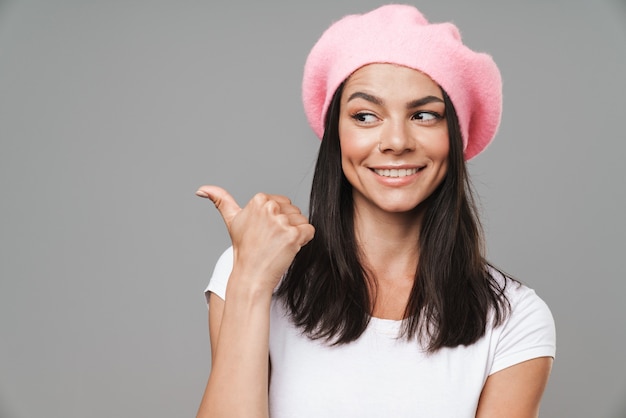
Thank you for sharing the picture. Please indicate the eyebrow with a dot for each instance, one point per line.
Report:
(423, 101)
(365, 96)
(376, 100)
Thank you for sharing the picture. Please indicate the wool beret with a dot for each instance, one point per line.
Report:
(400, 34)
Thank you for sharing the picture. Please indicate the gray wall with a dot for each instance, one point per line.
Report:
(113, 112)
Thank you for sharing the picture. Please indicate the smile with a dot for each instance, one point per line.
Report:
(402, 172)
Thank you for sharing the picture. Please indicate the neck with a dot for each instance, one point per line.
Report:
(388, 242)
(389, 249)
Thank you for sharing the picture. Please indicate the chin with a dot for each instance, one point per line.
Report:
(401, 207)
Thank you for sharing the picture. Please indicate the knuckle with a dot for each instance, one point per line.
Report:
(272, 206)
(294, 209)
(293, 235)
(282, 219)
(281, 198)
(259, 198)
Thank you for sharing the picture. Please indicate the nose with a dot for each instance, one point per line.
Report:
(396, 138)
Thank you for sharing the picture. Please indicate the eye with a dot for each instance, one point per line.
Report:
(364, 117)
(425, 116)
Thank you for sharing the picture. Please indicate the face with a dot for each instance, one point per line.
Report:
(393, 136)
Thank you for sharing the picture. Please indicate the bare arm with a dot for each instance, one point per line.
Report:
(266, 235)
(516, 391)
(238, 383)
(216, 311)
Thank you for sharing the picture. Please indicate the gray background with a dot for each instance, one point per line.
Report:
(113, 112)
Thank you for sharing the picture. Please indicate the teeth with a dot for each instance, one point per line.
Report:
(396, 172)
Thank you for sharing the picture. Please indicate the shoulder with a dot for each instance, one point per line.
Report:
(521, 298)
(221, 273)
(528, 331)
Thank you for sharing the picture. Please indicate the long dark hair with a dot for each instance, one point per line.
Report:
(326, 289)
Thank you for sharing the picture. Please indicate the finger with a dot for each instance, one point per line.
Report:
(223, 201)
(307, 232)
(288, 209)
(279, 198)
(284, 203)
(279, 204)
(296, 219)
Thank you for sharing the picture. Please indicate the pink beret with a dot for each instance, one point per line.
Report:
(399, 34)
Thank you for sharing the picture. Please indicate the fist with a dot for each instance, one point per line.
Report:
(266, 234)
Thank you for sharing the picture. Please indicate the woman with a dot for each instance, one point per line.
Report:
(380, 304)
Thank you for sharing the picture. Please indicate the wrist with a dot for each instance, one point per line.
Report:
(249, 287)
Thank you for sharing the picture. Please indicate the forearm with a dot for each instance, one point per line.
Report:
(238, 383)
(266, 235)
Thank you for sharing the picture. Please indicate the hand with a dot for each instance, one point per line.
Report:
(266, 234)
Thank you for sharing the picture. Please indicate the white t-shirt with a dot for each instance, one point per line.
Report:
(380, 375)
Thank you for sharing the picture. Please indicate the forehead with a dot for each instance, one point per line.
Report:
(391, 81)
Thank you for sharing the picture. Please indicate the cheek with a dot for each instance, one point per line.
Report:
(438, 151)
(348, 149)
(440, 148)
(442, 151)
(349, 158)
(349, 144)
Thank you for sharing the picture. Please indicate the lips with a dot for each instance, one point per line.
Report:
(395, 172)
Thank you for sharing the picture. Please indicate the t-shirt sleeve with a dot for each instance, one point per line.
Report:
(529, 331)
(221, 273)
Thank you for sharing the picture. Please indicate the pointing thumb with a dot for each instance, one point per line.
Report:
(223, 201)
